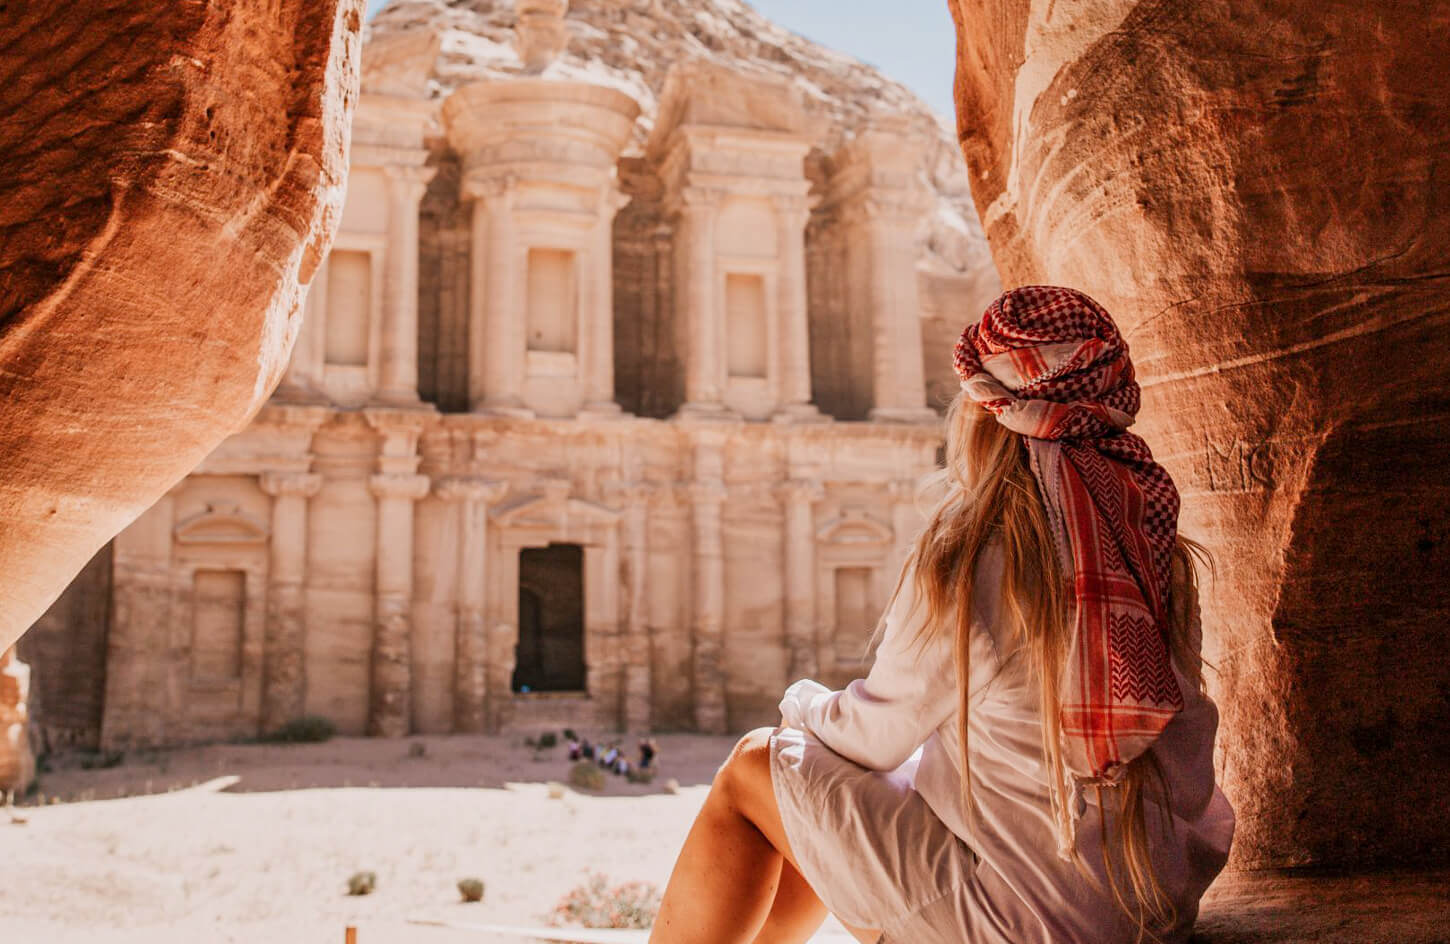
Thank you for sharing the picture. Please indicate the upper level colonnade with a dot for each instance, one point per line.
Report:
(533, 164)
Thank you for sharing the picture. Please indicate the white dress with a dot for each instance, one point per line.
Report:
(869, 789)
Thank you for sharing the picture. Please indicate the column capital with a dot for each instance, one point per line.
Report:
(902, 490)
(707, 493)
(694, 199)
(410, 178)
(804, 491)
(389, 485)
(303, 484)
(631, 493)
(494, 188)
(470, 489)
(890, 206)
(792, 208)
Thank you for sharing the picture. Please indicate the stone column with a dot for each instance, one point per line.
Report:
(888, 228)
(284, 681)
(638, 648)
(792, 214)
(398, 377)
(302, 381)
(799, 497)
(470, 658)
(496, 343)
(906, 522)
(598, 369)
(695, 302)
(706, 498)
(396, 486)
(391, 698)
(17, 763)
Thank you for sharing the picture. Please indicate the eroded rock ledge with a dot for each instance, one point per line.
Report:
(170, 175)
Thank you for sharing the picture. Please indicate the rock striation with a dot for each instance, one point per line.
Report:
(170, 177)
(1258, 193)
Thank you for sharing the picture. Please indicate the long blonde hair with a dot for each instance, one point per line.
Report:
(988, 493)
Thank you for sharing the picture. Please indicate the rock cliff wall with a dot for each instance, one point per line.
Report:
(1260, 192)
(170, 175)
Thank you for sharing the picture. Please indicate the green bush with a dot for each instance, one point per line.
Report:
(587, 775)
(309, 729)
(548, 739)
(471, 889)
(362, 883)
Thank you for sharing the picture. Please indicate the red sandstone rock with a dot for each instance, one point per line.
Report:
(171, 172)
(1258, 191)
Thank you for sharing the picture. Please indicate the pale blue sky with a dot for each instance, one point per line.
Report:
(910, 40)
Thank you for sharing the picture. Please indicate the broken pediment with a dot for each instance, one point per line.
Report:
(854, 526)
(221, 524)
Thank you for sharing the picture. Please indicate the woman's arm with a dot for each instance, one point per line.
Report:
(880, 720)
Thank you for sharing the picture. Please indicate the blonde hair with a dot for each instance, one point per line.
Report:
(988, 493)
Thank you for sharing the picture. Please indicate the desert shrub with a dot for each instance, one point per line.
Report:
(587, 775)
(597, 904)
(640, 775)
(548, 739)
(308, 729)
(471, 889)
(362, 883)
(569, 735)
(102, 760)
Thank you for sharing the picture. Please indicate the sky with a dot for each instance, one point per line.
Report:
(909, 40)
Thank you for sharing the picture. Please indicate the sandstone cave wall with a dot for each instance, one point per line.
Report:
(1258, 191)
(170, 177)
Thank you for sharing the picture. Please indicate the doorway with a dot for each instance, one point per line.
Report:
(550, 653)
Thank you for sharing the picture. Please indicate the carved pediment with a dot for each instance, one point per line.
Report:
(855, 527)
(221, 524)
(552, 512)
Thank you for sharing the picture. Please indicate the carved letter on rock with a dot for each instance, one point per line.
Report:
(1257, 191)
(170, 177)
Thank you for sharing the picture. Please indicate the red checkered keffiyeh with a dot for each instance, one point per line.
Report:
(1051, 365)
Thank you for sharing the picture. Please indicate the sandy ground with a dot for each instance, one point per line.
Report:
(254, 843)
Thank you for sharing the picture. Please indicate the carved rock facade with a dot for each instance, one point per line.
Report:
(606, 412)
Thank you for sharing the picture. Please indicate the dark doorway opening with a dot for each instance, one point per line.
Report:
(550, 654)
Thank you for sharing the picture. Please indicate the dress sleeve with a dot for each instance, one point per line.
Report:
(879, 721)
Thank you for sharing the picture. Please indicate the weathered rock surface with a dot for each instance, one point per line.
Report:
(170, 177)
(1314, 906)
(1259, 192)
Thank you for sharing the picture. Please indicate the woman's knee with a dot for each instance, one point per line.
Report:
(746, 772)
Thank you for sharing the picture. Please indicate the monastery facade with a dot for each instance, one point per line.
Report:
(573, 434)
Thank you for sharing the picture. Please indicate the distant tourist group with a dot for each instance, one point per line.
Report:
(611, 756)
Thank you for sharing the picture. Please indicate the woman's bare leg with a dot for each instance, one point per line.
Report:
(795, 914)
(736, 879)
